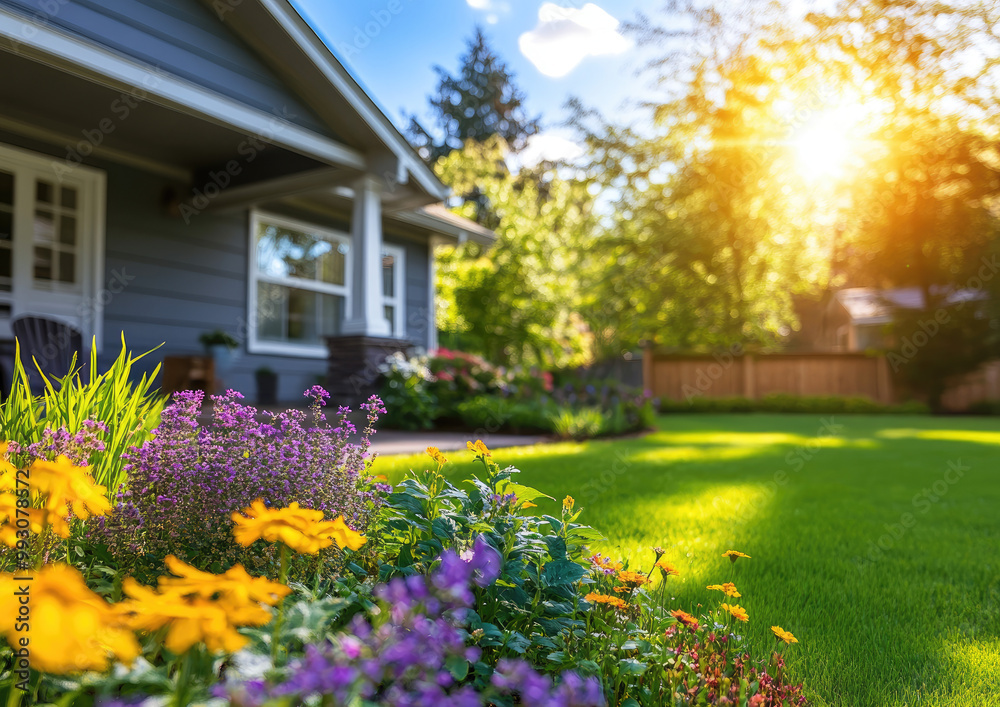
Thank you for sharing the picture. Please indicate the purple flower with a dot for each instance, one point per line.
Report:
(486, 562)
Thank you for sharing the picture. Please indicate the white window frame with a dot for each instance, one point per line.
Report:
(398, 300)
(254, 276)
(80, 305)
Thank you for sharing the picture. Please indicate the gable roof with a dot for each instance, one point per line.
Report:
(277, 31)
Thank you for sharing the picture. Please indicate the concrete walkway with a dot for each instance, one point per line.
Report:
(400, 442)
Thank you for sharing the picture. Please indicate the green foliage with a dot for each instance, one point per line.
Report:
(129, 408)
(494, 413)
(578, 424)
(515, 303)
(218, 337)
(776, 402)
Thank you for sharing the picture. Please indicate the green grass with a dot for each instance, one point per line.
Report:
(916, 624)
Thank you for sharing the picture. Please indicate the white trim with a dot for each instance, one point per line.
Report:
(254, 276)
(432, 332)
(60, 303)
(306, 38)
(398, 301)
(91, 61)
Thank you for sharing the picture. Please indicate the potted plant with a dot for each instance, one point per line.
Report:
(267, 386)
(219, 345)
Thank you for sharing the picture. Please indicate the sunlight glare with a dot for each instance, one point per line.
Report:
(824, 146)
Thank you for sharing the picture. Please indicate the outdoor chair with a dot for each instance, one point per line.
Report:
(49, 342)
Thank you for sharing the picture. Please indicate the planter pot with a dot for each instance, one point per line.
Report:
(267, 388)
(222, 355)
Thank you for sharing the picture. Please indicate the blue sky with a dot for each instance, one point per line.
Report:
(391, 46)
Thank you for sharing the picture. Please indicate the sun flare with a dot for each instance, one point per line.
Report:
(825, 146)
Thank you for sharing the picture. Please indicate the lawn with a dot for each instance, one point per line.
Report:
(915, 621)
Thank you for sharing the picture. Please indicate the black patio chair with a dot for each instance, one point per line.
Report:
(51, 343)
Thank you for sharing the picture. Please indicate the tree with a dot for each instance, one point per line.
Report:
(482, 101)
(515, 302)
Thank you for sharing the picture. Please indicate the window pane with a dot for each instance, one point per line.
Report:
(333, 265)
(67, 267)
(390, 315)
(45, 227)
(67, 230)
(5, 264)
(6, 226)
(388, 275)
(68, 198)
(294, 316)
(272, 303)
(6, 188)
(43, 263)
(43, 192)
(285, 252)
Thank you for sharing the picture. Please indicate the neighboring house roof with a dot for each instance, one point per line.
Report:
(438, 218)
(869, 305)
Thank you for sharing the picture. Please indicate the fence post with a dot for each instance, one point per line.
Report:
(749, 376)
(883, 381)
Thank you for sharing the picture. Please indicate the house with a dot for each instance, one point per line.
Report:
(171, 167)
(858, 318)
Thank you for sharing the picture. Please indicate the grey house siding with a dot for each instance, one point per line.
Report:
(180, 280)
(181, 37)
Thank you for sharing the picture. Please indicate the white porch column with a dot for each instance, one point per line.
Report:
(367, 312)
(432, 332)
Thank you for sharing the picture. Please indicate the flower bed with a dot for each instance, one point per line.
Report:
(259, 563)
(460, 390)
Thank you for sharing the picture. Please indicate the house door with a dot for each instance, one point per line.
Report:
(51, 222)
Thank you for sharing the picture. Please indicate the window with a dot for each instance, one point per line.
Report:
(394, 289)
(51, 240)
(299, 286)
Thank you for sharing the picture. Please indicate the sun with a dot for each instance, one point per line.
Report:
(827, 144)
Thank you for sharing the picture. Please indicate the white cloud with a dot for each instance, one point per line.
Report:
(493, 8)
(548, 146)
(565, 36)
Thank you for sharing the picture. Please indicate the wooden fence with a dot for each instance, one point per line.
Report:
(679, 377)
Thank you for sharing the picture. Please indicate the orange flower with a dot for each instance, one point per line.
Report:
(685, 618)
(301, 529)
(737, 612)
(568, 504)
(66, 484)
(633, 579)
(435, 454)
(729, 589)
(606, 599)
(479, 448)
(667, 569)
(235, 584)
(783, 635)
(733, 555)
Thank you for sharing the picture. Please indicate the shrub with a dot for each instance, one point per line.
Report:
(493, 413)
(116, 410)
(985, 407)
(584, 423)
(784, 403)
(185, 483)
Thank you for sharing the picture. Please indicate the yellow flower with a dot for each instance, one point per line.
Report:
(435, 454)
(667, 569)
(606, 599)
(733, 555)
(70, 628)
(684, 618)
(737, 612)
(191, 619)
(301, 529)
(479, 448)
(605, 564)
(65, 484)
(236, 584)
(633, 579)
(37, 519)
(783, 635)
(568, 504)
(729, 589)
(529, 504)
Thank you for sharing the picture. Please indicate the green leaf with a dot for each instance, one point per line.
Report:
(457, 666)
(631, 666)
(562, 572)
